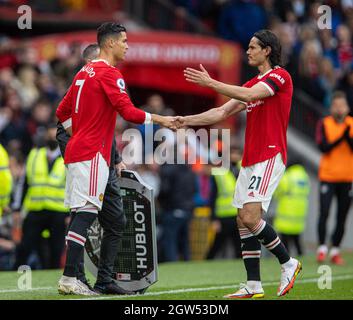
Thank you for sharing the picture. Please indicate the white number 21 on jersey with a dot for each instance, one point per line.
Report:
(79, 83)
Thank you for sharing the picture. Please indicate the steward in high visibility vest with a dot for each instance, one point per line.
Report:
(46, 187)
(5, 179)
(223, 212)
(292, 201)
(44, 191)
(292, 204)
(225, 181)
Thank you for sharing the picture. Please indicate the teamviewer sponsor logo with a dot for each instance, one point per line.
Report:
(252, 105)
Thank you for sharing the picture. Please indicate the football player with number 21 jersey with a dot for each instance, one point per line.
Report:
(267, 101)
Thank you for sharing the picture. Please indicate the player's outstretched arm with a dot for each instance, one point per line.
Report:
(202, 78)
(211, 116)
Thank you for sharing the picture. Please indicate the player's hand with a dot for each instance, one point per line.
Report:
(180, 122)
(169, 122)
(200, 77)
(120, 166)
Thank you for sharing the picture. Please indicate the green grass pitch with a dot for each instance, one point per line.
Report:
(204, 280)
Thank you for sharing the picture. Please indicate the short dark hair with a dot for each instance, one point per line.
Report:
(89, 51)
(338, 94)
(269, 39)
(107, 29)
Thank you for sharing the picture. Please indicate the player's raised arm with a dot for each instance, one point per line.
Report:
(202, 78)
(213, 115)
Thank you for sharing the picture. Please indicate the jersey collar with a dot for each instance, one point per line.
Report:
(102, 60)
(262, 75)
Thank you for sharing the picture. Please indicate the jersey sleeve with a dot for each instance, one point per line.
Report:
(276, 81)
(114, 87)
(64, 111)
(247, 84)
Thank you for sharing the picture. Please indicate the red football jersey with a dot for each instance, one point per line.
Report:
(96, 94)
(267, 119)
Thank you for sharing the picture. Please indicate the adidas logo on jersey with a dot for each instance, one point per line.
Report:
(251, 194)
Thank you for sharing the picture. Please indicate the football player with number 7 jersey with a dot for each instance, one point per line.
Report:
(88, 111)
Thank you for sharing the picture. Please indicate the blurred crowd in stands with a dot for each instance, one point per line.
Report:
(320, 62)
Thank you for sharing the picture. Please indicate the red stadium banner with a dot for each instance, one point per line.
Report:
(156, 59)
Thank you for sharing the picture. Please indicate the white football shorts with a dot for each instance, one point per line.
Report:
(258, 182)
(86, 182)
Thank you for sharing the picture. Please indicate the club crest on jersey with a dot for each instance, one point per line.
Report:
(121, 84)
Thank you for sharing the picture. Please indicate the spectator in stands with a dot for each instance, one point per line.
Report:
(329, 45)
(68, 67)
(327, 82)
(307, 33)
(150, 175)
(240, 19)
(346, 85)
(7, 53)
(154, 104)
(309, 68)
(298, 7)
(27, 87)
(344, 48)
(48, 89)
(202, 197)
(335, 140)
(288, 36)
(176, 201)
(14, 134)
(41, 115)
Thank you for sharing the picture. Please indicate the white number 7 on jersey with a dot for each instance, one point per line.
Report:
(79, 83)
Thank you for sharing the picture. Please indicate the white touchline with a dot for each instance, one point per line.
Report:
(19, 290)
(157, 293)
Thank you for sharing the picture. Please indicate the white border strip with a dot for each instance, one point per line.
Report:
(158, 293)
